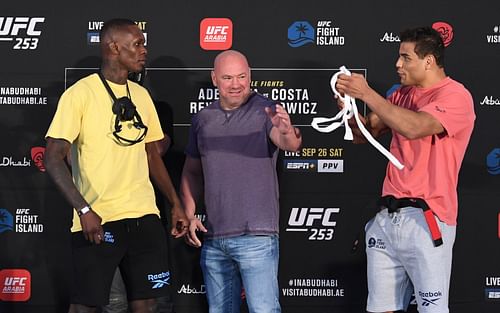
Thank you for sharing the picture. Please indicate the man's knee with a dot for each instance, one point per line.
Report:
(143, 306)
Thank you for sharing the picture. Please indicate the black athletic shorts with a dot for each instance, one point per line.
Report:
(137, 245)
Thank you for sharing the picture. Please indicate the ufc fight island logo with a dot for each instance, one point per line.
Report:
(216, 34)
(23, 31)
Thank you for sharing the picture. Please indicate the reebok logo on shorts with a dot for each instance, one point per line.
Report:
(159, 280)
(430, 298)
(375, 243)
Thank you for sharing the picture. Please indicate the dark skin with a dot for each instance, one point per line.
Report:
(122, 52)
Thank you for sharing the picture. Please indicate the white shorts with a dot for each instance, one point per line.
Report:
(402, 259)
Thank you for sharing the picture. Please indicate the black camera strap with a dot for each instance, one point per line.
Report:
(106, 85)
(137, 121)
(116, 110)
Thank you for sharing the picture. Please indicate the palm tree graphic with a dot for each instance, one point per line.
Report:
(3, 217)
(301, 29)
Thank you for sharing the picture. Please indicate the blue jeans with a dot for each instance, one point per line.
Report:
(251, 261)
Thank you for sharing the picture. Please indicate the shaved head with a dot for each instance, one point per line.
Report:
(231, 75)
(227, 56)
(112, 26)
(122, 49)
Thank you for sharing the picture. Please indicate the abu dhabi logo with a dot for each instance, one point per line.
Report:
(6, 221)
(493, 162)
(300, 33)
(37, 154)
(390, 37)
(187, 289)
(159, 280)
(445, 30)
(490, 101)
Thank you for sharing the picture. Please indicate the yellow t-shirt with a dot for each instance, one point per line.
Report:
(113, 179)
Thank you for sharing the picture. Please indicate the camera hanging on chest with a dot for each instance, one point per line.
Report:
(125, 110)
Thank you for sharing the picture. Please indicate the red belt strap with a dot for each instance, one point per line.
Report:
(393, 204)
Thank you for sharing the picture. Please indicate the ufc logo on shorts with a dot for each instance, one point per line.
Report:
(11, 26)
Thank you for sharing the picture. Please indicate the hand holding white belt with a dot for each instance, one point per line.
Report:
(349, 110)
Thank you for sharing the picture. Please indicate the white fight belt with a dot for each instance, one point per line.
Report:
(343, 117)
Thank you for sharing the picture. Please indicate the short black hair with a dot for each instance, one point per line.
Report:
(427, 41)
(114, 24)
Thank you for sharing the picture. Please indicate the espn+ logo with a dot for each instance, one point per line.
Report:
(23, 31)
(318, 223)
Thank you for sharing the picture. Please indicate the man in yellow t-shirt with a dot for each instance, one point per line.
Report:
(111, 126)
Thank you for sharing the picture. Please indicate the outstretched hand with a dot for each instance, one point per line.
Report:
(280, 119)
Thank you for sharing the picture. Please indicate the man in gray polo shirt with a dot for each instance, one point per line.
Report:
(231, 161)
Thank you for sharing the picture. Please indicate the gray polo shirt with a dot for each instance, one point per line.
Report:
(239, 168)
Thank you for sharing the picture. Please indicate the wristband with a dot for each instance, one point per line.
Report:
(86, 209)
